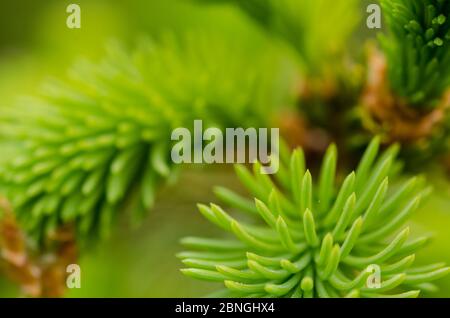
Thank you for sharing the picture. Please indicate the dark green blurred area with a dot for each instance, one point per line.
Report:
(35, 43)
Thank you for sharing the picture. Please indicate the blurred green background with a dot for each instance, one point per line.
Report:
(35, 44)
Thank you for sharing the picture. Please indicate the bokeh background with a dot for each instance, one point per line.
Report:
(140, 262)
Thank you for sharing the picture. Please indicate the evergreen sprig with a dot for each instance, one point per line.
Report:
(417, 48)
(316, 240)
(101, 139)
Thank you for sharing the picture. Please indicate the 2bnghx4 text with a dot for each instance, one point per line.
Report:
(226, 307)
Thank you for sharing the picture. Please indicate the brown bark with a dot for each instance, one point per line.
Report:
(39, 274)
(298, 133)
(392, 115)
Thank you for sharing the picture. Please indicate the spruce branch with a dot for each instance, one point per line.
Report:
(417, 49)
(101, 140)
(316, 239)
(407, 93)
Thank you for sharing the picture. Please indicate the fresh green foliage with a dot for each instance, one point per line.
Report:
(417, 48)
(317, 30)
(316, 240)
(103, 138)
